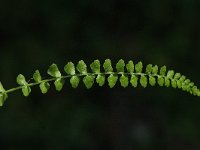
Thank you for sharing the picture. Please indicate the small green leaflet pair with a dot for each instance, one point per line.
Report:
(125, 73)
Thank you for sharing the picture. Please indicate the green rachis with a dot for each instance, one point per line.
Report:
(129, 73)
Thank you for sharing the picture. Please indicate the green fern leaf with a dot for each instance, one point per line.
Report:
(184, 87)
(74, 81)
(179, 84)
(59, 83)
(44, 87)
(195, 91)
(81, 67)
(174, 83)
(100, 80)
(120, 66)
(108, 66)
(163, 70)
(112, 80)
(95, 66)
(149, 68)
(167, 82)
(191, 84)
(70, 68)
(152, 81)
(3, 95)
(138, 67)
(124, 81)
(187, 81)
(54, 71)
(182, 78)
(36, 76)
(21, 80)
(155, 69)
(143, 81)
(88, 81)
(177, 76)
(130, 66)
(134, 80)
(170, 74)
(161, 81)
(26, 90)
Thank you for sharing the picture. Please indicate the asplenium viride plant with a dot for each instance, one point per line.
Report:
(130, 73)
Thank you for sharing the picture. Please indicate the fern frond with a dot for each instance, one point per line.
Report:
(135, 74)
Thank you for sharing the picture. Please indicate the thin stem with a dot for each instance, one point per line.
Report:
(79, 75)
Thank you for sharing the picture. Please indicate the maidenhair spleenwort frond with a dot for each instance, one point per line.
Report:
(130, 73)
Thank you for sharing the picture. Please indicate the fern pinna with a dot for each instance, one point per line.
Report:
(129, 73)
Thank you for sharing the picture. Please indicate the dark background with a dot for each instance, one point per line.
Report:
(34, 34)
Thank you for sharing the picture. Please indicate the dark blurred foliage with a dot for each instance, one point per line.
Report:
(34, 34)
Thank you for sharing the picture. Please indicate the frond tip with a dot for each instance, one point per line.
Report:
(127, 74)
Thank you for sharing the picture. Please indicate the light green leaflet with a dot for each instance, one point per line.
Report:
(126, 73)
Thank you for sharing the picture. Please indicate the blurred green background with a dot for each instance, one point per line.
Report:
(34, 34)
